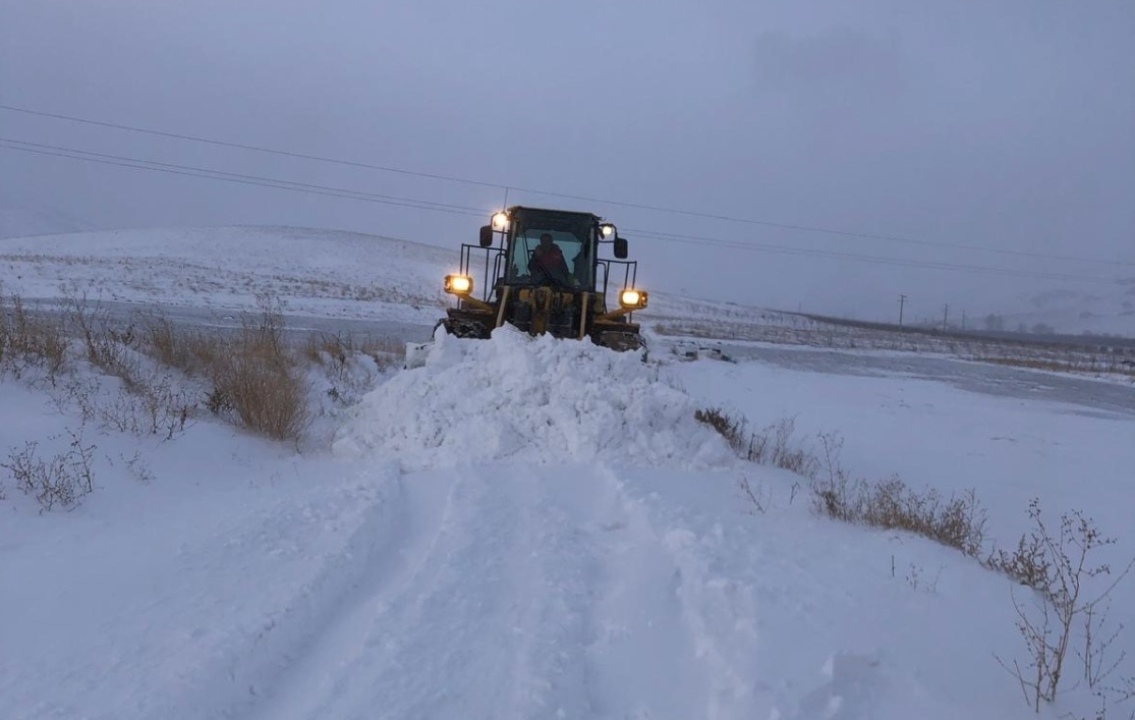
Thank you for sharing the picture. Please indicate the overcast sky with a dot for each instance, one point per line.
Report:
(1007, 126)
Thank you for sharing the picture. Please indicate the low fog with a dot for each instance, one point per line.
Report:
(828, 156)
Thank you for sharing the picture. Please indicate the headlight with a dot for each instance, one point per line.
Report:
(500, 221)
(458, 284)
(607, 230)
(632, 299)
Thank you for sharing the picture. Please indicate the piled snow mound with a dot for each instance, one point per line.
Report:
(535, 399)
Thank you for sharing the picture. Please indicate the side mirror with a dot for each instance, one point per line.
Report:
(621, 248)
(486, 236)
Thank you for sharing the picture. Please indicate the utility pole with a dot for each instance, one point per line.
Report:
(963, 320)
(902, 301)
(946, 318)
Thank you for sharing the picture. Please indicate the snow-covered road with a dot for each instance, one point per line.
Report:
(519, 592)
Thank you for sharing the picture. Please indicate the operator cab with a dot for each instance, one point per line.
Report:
(574, 234)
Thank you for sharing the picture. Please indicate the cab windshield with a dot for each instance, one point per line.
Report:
(564, 258)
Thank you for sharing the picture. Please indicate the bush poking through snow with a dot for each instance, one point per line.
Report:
(60, 481)
(957, 522)
(190, 351)
(731, 429)
(30, 340)
(891, 504)
(1058, 564)
(1028, 564)
(771, 446)
(108, 346)
(256, 379)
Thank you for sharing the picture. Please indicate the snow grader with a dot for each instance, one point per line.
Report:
(542, 273)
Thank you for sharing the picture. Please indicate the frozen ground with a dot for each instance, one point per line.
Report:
(317, 273)
(532, 528)
(1081, 392)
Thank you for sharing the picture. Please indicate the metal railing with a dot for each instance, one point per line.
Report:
(610, 270)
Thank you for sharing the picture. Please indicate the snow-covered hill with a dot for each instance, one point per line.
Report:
(22, 218)
(322, 273)
(1105, 309)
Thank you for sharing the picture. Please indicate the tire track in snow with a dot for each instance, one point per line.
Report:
(241, 681)
(703, 624)
(391, 548)
(494, 621)
(525, 591)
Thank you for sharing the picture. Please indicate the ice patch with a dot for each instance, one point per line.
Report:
(538, 399)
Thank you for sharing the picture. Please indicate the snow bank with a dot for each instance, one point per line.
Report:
(535, 399)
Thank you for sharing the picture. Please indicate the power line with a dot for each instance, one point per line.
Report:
(253, 148)
(870, 259)
(258, 180)
(583, 198)
(190, 171)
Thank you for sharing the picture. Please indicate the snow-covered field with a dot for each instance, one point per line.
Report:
(321, 273)
(522, 528)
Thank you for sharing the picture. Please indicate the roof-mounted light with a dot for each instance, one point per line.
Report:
(607, 230)
(500, 221)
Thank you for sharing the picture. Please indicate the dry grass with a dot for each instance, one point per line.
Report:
(1078, 363)
(730, 428)
(192, 352)
(336, 350)
(30, 340)
(772, 445)
(957, 522)
(254, 376)
(891, 504)
(62, 480)
(257, 380)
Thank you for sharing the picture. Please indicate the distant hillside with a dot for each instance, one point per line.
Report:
(19, 218)
(1104, 309)
(315, 272)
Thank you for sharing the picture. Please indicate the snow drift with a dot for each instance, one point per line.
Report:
(537, 399)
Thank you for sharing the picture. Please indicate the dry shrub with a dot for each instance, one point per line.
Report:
(957, 522)
(26, 339)
(267, 399)
(1028, 564)
(257, 382)
(1058, 563)
(154, 407)
(113, 347)
(61, 481)
(771, 446)
(187, 351)
(732, 429)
